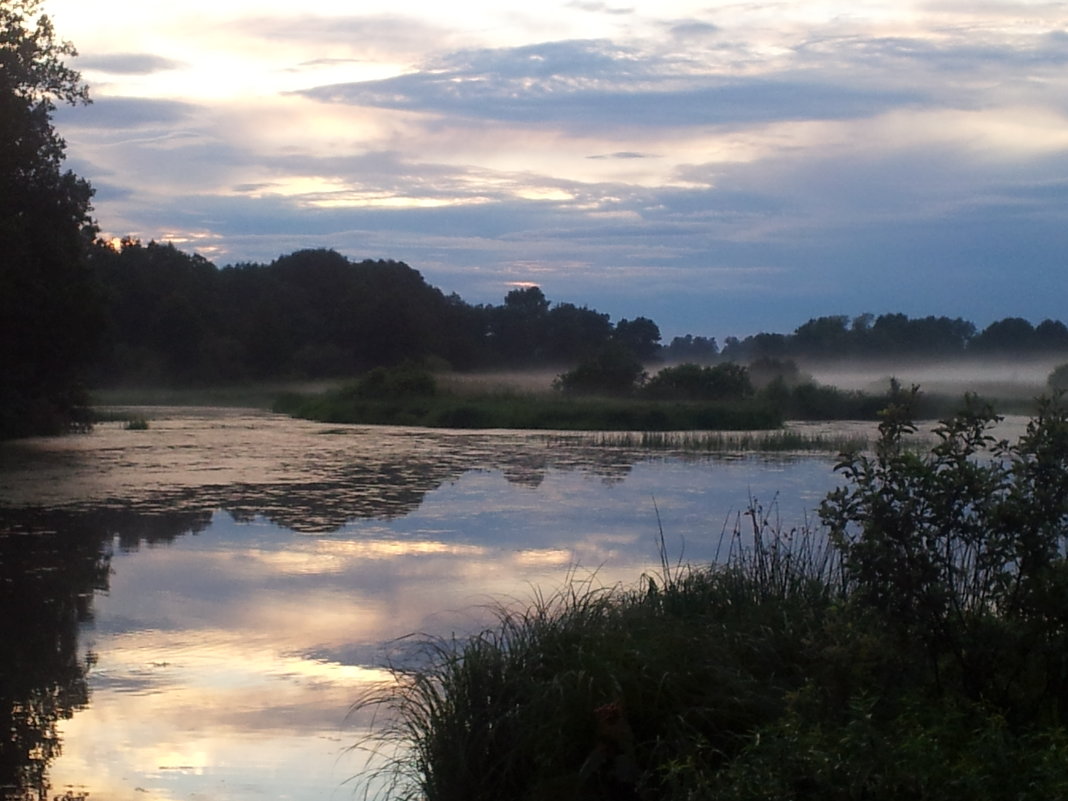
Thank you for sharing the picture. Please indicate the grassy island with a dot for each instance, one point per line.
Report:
(590, 398)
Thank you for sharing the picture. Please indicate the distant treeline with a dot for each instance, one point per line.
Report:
(172, 317)
(175, 317)
(895, 335)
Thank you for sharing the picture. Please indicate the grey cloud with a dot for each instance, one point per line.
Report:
(127, 63)
(382, 34)
(693, 29)
(601, 8)
(623, 154)
(126, 112)
(590, 85)
(569, 58)
(956, 54)
(324, 62)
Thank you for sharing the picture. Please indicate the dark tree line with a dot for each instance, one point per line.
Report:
(896, 336)
(174, 317)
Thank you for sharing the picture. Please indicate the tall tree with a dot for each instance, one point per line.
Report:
(48, 322)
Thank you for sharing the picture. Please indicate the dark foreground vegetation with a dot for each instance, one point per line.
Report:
(915, 647)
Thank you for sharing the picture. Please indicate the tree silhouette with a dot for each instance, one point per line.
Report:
(48, 316)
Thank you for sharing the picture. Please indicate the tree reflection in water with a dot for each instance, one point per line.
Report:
(47, 580)
(51, 564)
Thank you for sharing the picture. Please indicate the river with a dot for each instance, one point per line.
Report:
(190, 611)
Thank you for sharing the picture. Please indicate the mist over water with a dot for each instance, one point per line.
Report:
(1016, 378)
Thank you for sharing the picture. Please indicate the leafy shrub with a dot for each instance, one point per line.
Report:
(1058, 379)
(960, 553)
(612, 370)
(767, 369)
(403, 381)
(692, 382)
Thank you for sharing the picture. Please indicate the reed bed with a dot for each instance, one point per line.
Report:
(722, 441)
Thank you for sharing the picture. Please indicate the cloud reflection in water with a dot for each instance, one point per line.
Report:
(243, 618)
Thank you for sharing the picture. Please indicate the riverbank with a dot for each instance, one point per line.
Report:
(889, 655)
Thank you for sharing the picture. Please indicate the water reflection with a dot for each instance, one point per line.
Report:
(47, 581)
(228, 659)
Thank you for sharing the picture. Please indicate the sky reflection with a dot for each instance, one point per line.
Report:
(264, 572)
(228, 660)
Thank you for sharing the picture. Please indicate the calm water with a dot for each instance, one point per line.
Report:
(190, 611)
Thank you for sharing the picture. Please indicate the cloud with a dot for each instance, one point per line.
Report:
(124, 113)
(127, 63)
(623, 154)
(693, 29)
(389, 37)
(595, 85)
(742, 164)
(600, 8)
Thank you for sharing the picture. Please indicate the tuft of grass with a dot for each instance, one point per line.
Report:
(137, 423)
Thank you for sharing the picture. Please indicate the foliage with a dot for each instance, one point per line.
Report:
(48, 312)
(808, 400)
(896, 335)
(640, 336)
(765, 370)
(404, 381)
(726, 381)
(727, 441)
(690, 348)
(961, 553)
(349, 405)
(1058, 379)
(175, 319)
(612, 370)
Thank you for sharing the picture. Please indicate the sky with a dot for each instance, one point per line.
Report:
(723, 168)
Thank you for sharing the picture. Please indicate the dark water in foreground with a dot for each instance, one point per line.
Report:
(188, 612)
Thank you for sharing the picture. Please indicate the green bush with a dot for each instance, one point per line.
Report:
(403, 381)
(727, 381)
(960, 553)
(1058, 379)
(612, 370)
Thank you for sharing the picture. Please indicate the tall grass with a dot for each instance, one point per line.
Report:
(728, 441)
(611, 692)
